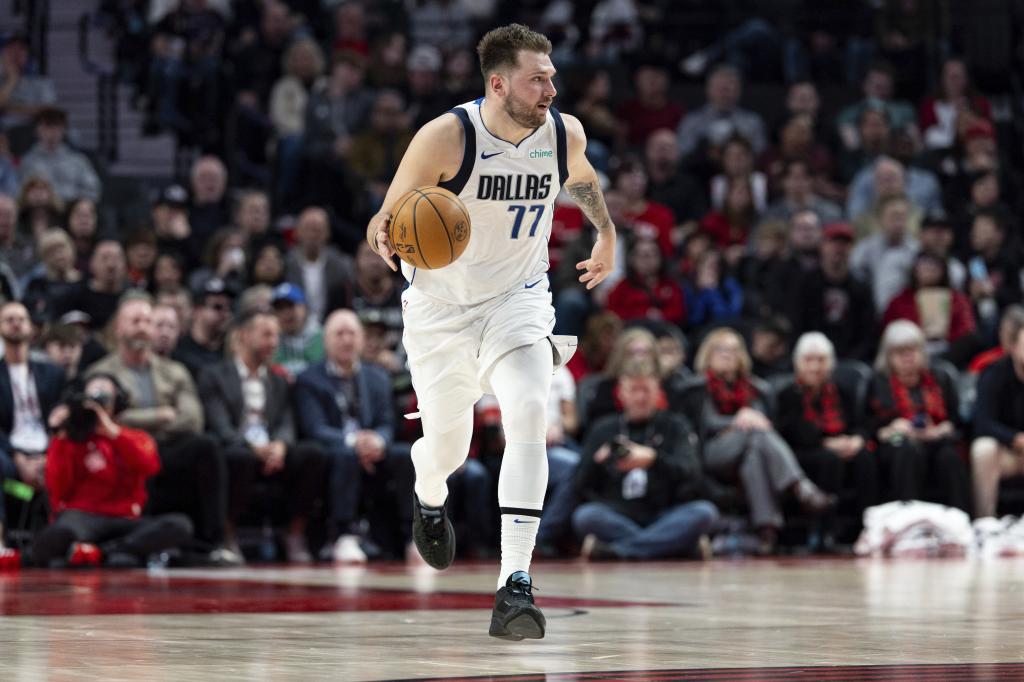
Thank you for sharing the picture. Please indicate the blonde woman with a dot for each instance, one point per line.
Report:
(632, 344)
(54, 277)
(740, 441)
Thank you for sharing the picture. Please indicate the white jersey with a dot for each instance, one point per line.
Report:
(509, 190)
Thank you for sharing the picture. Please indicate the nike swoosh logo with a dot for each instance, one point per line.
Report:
(485, 155)
(521, 521)
(530, 286)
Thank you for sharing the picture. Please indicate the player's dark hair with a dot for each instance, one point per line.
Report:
(500, 47)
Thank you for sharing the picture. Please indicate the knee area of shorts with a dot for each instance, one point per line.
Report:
(985, 450)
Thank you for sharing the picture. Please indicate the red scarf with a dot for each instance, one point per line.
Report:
(829, 419)
(729, 399)
(905, 407)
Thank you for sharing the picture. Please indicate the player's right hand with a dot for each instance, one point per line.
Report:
(377, 235)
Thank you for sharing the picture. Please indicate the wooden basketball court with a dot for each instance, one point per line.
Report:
(799, 619)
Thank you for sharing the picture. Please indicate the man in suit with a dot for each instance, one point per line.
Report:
(29, 391)
(248, 411)
(320, 270)
(164, 403)
(346, 406)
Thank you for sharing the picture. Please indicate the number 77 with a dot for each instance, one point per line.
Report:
(520, 211)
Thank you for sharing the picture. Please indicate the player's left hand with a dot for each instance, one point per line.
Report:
(601, 261)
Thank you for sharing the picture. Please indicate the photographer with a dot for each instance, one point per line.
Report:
(640, 478)
(96, 471)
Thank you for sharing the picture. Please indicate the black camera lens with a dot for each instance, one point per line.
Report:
(101, 397)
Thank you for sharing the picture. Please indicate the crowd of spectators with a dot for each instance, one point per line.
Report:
(815, 309)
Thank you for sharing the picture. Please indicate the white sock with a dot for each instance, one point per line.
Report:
(521, 487)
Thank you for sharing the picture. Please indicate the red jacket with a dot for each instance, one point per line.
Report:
(715, 225)
(101, 476)
(904, 307)
(631, 300)
(927, 116)
(655, 221)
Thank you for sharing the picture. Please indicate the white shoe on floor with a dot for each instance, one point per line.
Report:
(348, 551)
(226, 556)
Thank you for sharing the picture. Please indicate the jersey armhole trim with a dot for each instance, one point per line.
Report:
(561, 147)
(459, 180)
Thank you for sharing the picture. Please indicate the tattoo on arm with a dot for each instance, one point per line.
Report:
(588, 197)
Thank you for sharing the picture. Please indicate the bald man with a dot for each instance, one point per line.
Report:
(346, 406)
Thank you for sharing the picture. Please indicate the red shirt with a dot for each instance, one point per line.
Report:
(642, 120)
(101, 476)
(904, 307)
(657, 219)
(715, 225)
(631, 300)
(566, 225)
(927, 116)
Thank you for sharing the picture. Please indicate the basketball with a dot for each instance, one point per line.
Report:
(429, 227)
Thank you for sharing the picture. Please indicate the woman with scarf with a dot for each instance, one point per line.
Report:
(913, 416)
(817, 420)
(741, 443)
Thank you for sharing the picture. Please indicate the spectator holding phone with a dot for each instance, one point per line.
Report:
(912, 414)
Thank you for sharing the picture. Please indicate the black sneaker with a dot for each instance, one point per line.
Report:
(515, 616)
(433, 534)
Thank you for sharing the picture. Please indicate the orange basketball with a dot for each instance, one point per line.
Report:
(429, 227)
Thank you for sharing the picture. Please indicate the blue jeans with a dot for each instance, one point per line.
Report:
(674, 533)
(561, 496)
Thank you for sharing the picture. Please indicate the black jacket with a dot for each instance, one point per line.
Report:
(844, 312)
(220, 388)
(673, 478)
(49, 387)
(799, 432)
(999, 410)
(881, 404)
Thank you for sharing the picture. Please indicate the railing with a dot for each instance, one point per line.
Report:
(37, 22)
(106, 91)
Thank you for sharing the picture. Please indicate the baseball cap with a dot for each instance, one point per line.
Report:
(173, 195)
(287, 292)
(424, 58)
(76, 317)
(214, 286)
(838, 231)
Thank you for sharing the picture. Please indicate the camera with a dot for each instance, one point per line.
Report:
(619, 450)
(81, 421)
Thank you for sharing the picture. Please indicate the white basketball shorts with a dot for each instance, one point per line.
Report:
(452, 348)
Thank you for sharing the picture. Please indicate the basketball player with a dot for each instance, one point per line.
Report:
(483, 324)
